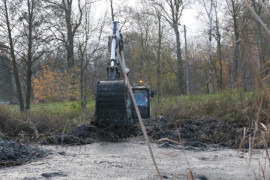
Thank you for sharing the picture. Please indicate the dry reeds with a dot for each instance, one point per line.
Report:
(261, 129)
(35, 125)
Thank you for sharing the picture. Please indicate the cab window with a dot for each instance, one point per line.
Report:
(141, 97)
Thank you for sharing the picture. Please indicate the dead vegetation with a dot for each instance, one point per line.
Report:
(260, 126)
(29, 126)
(218, 120)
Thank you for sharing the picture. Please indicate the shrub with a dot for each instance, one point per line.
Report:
(51, 86)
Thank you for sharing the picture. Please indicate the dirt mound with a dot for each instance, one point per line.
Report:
(15, 153)
(196, 133)
(87, 134)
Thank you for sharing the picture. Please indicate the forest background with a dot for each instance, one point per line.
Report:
(55, 51)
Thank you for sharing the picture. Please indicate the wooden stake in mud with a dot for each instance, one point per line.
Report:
(138, 114)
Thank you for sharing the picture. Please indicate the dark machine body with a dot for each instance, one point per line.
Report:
(114, 106)
(113, 102)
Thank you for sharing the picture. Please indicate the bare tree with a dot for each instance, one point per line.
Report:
(157, 14)
(65, 32)
(234, 9)
(30, 13)
(144, 56)
(219, 50)
(172, 12)
(8, 8)
(32, 33)
(209, 12)
(88, 46)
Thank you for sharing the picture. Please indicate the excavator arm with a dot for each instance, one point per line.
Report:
(115, 41)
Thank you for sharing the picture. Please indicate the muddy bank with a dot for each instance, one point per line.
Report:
(15, 153)
(131, 160)
(191, 133)
(197, 133)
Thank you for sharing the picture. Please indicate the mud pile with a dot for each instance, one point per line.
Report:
(87, 134)
(15, 153)
(196, 133)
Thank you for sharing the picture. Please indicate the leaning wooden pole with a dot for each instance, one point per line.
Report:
(257, 17)
(264, 8)
(138, 114)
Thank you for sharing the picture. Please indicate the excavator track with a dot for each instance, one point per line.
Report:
(112, 104)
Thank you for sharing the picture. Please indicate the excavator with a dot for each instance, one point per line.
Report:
(113, 100)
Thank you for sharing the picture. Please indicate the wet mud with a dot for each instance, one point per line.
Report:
(131, 160)
(15, 153)
(196, 133)
(121, 152)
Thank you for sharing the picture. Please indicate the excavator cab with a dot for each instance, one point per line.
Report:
(142, 96)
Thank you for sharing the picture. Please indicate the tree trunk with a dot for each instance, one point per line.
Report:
(211, 66)
(158, 61)
(82, 85)
(187, 64)
(85, 92)
(220, 81)
(181, 82)
(28, 85)
(237, 43)
(29, 55)
(219, 55)
(13, 59)
(261, 39)
(70, 36)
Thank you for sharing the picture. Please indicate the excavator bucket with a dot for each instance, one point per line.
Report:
(112, 104)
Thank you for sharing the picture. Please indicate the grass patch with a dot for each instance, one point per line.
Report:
(235, 105)
(58, 117)
(65, 110)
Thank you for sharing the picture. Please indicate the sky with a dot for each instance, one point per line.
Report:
(189, 18)
(193, 24)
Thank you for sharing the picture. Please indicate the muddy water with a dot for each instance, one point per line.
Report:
(131, 160)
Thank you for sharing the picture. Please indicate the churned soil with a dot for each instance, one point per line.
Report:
(197, 133)
(15, 153)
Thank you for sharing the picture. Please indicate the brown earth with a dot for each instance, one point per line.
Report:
(196, 133)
